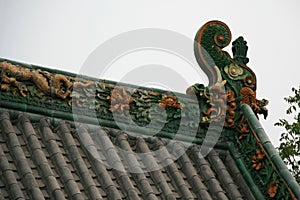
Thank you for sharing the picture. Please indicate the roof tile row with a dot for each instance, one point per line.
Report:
(42, 160)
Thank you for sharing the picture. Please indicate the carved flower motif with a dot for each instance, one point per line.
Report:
(257, 160)
(243, 129)
(119, 100)
(273, 189)
(233, 71)
(169, 101)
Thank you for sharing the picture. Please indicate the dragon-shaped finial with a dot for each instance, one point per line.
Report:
(239, 81)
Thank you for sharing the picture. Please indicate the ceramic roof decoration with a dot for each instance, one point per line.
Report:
(69, 136)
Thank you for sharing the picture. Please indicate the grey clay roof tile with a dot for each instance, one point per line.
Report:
(39, 160)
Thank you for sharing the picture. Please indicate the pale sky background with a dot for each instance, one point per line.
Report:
(62, 34)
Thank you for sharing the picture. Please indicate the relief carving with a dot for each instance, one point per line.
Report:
(16, 79)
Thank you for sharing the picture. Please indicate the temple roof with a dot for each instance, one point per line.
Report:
(68, 136)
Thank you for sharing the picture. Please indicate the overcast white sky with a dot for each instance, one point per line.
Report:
(62, 34)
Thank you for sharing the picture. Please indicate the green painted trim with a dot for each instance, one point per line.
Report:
(245, 173)
(271, 151)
